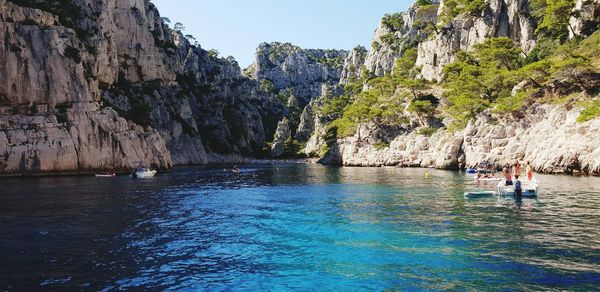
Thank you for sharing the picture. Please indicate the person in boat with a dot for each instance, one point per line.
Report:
(518, 186)
(529, 171)
(507, 175)
(517, 168)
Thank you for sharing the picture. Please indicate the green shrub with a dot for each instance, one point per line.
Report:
(389, 38)
(454, 8)
(266, 86)
(375, 45)
(381, 145)
(73, 54)
(420, 3)
(393, 22)
(591, 111)
(511, 103)
(427, 131)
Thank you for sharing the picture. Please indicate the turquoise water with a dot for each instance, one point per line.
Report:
(296, 227)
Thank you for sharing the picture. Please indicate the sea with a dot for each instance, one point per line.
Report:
(296, 227)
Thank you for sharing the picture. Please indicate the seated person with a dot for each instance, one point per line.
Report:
(518, 187)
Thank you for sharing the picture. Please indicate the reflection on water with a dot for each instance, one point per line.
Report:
(296, 226)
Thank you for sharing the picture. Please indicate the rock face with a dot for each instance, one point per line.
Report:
(390, 40)
(303, 71)
(353, 64)
(505, 18)
(550, 138)
(89, 85)
(81, 138)
(588, 19)
(282, 133)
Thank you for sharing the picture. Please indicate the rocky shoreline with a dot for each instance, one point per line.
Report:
(549, 137)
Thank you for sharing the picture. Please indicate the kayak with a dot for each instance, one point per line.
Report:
(492, 179)
(105, 175)
(479, 194)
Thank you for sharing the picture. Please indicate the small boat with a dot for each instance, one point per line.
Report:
(105, 174)
(479, 194)
(530, 189)
(471, 170)
(144, 173)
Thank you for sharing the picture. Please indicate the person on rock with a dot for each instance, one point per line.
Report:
(529, 171)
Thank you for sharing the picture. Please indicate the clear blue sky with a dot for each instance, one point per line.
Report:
(237, 27)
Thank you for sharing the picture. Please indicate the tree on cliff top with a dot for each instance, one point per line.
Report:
(427, 18)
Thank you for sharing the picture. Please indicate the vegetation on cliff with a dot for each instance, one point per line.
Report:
(495, 76)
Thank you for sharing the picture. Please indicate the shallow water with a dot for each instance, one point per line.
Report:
(296, 227)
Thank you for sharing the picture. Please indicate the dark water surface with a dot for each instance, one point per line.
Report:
(296, 227)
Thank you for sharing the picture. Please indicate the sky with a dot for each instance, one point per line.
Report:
(237, 27)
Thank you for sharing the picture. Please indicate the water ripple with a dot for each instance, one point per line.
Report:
(297, 227)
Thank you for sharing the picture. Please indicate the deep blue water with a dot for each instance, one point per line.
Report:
(296, 227)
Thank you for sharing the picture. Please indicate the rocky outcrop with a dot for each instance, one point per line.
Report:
(80, 138)
(549, 137)
(113, 69)
(303, 71)
(587, 20)
(282, 134)
(395, 33)
(504, 18)
(353, 64)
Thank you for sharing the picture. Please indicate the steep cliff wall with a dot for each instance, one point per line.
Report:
(89, 85)
(303, 71)
(588, 19)
(395, 33)
(504, 18)
(353, 64)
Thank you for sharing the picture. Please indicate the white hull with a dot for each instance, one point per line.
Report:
(145, 174)
(531, 189)
(106, 175)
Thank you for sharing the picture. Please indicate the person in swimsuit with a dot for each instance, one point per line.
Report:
(529, 171)
(507, 175)
(517, 168)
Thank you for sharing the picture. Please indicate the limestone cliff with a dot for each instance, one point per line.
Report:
(354, 64)
(395, 33)
(302, 72)
(88, 85)
(504, 18)
(549, 137)
(588, 19)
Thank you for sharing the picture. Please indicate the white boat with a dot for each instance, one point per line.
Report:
(530, 189)
(105, 174)
(144, 173)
